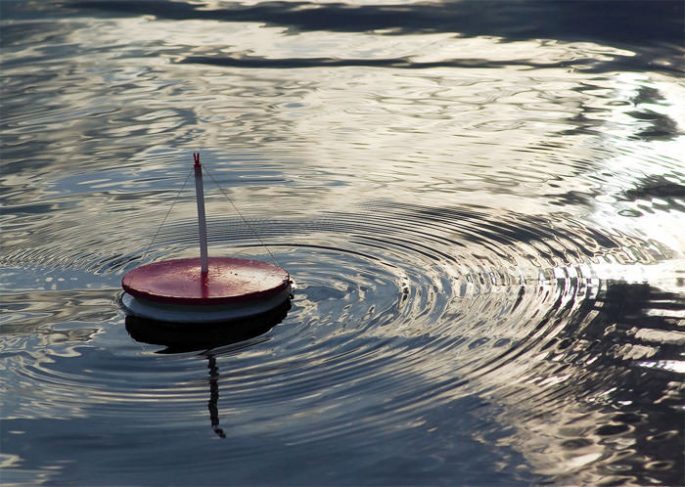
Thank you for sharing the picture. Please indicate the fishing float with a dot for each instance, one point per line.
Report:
(204, 289)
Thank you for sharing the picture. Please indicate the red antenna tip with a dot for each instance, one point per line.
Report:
(196, 158)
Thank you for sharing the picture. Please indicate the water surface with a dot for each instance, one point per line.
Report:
(481, 205)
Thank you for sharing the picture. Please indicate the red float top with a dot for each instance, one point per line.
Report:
(180, 281)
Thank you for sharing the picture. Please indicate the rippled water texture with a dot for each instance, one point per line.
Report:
(481, 205)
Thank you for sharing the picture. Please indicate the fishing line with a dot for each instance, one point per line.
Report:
(244, 220)
(159, 228)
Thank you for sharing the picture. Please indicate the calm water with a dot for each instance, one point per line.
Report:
(481, 204)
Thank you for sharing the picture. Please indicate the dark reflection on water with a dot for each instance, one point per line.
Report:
(581, 19)
(398, 63)
(643, 24)
(480, 204)
(188, 337)
(213, 403)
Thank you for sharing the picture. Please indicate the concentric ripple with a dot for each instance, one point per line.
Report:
(410, 308)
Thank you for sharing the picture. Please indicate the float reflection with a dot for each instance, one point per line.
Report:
(189, 337)
(213, 404)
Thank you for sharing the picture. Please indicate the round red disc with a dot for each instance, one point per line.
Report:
(179, 281)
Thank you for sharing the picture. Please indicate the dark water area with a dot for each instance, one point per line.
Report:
(481, 205)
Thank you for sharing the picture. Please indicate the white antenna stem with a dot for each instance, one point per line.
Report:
(202, 223)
